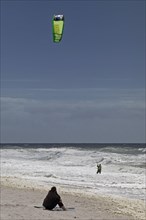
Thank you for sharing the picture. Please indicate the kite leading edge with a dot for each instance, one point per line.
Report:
(57, 27)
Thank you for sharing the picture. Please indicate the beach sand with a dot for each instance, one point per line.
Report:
(18, 203)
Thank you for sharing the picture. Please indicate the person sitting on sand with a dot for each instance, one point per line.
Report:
(52, 199)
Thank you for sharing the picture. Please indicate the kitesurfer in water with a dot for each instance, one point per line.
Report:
(98, 168)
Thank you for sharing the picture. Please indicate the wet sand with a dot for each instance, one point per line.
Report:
(18, 204)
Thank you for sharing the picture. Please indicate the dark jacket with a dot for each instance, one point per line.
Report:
(51, 200)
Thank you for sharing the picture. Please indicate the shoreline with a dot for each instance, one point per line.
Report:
(18, 201)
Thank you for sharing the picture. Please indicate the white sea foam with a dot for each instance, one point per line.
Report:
(122, 174)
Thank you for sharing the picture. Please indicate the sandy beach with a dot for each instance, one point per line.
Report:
(18, 203)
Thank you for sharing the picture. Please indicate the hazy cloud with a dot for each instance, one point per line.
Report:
(54, 119)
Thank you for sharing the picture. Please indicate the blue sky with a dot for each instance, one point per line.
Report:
(90, 87)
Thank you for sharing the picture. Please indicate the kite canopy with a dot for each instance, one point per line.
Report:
(57, 26)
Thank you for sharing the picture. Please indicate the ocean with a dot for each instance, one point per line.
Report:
(74, 166)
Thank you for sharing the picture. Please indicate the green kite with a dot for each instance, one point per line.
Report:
(58, 27)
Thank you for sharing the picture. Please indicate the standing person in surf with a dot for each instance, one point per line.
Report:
(98, 168)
